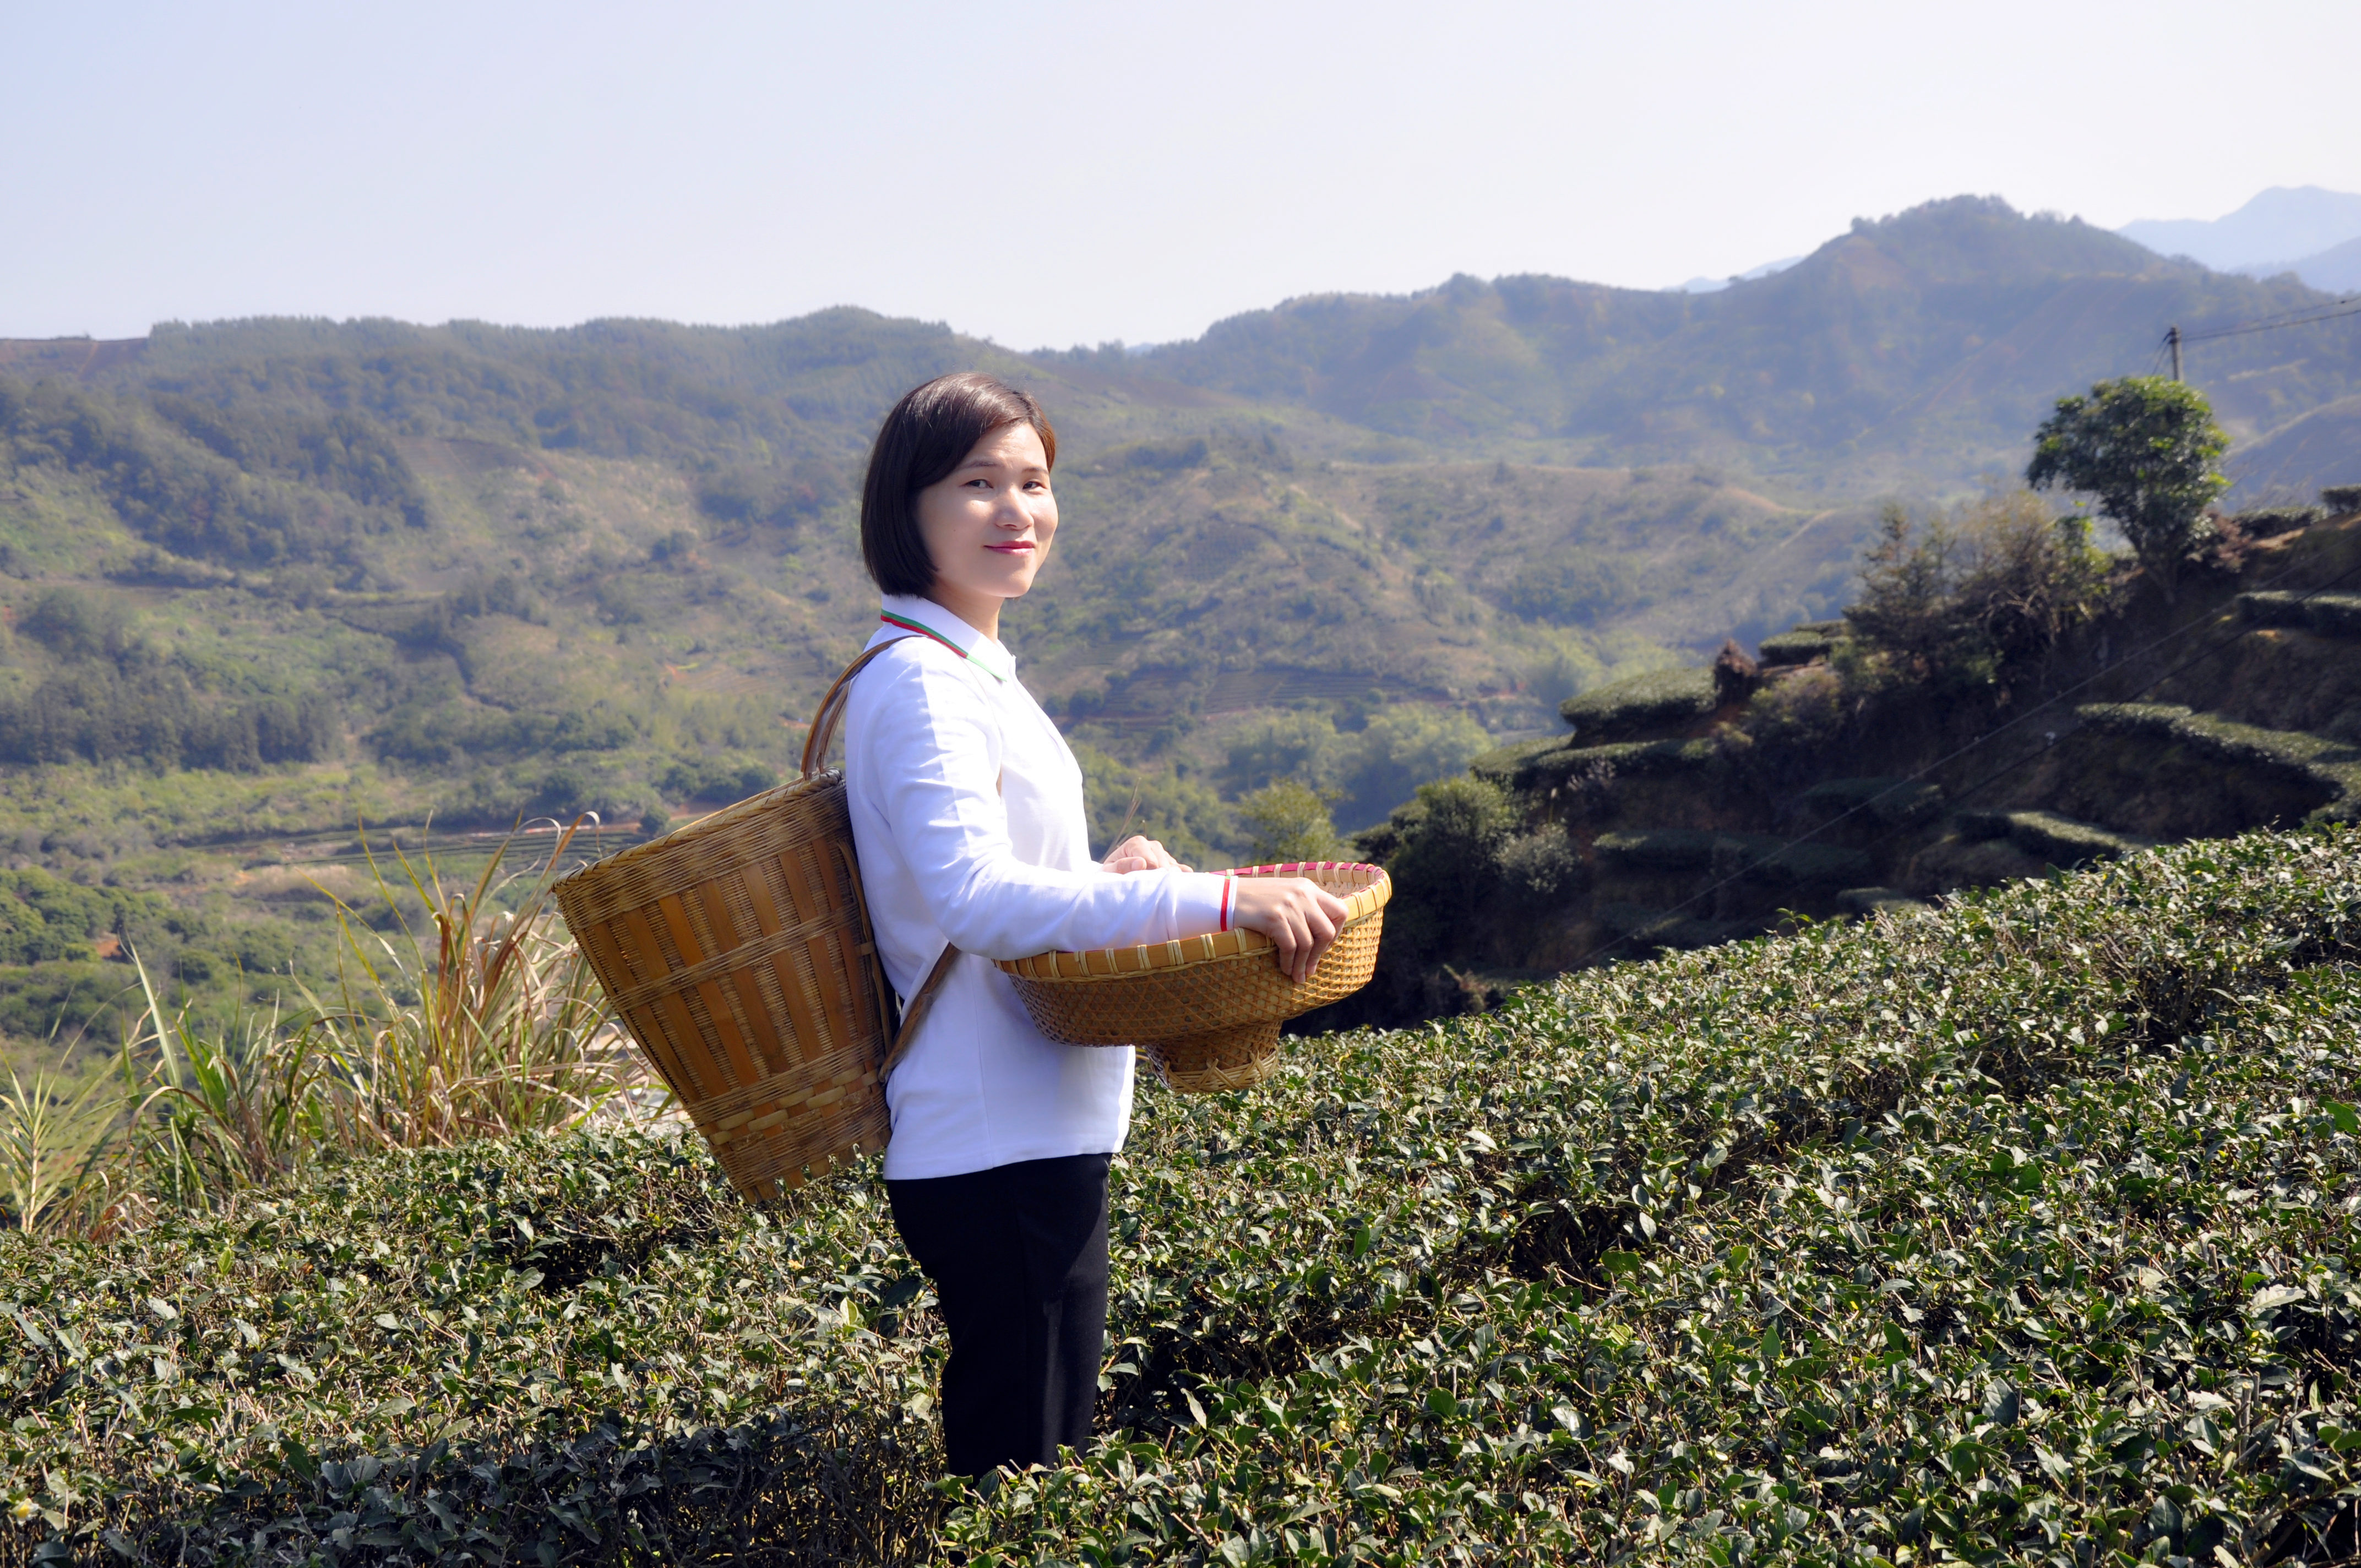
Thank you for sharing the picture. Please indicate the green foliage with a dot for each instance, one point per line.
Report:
(1797, 647)
(716, 777)
(44, 917)
(73, 626)
(199, 503)
(439, 727)
(1542, 868)
(1366, 772)
(1186, 816)
(1289, 822)
(1442, 851)
(155, 713)
(1979, 596)
(2002, 1232)
(1401, 749)
(1577, 591)
(1661, 699)
(2061, 840)
(54, 1141)
(2149, 449)
(1801, 716)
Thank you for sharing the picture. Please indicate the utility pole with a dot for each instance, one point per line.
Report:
(2172, 336)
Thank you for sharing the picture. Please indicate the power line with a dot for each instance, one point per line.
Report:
(2312, 317)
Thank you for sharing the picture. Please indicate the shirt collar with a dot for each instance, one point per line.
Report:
(905, 613)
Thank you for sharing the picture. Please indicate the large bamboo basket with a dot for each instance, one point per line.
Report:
(1205, 1010)
(738, 952)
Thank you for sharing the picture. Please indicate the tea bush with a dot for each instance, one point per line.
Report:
(2059, 839)
(1625, 707)
(1797, 647)
(2018, 1230)
(2329, 767)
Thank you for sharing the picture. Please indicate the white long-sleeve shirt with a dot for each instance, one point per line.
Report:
(967, 816)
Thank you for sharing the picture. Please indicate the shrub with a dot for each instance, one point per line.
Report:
(2063, 840)
(1803, 712)
(1980, 595)
(2328, 766)
(1513, 765)
(2341, 498)
(1543, 867)
(1797, 647)
(1661, 699)
(1300, 745)
(721, 777)
(72, 625)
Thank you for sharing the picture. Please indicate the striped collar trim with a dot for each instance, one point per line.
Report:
(925, 619)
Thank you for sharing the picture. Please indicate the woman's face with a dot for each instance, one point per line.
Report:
(987, 524)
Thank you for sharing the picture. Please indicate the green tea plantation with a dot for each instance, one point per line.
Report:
(2021, 1231)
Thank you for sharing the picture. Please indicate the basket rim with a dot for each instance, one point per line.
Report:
(1100, 964)
(688, 833)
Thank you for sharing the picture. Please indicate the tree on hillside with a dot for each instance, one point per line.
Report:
(1978, 597)
(2149, 450)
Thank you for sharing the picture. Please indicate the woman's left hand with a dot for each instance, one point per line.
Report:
(1138, 855)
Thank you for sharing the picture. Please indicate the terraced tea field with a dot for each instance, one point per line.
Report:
(2020, 1230)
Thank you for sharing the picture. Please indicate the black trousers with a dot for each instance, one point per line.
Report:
(1018, 1257)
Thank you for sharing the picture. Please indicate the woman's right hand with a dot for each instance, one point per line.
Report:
(1298, 914)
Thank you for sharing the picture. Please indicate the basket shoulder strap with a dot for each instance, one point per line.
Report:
(816, 744)
(916, 1012)
(918, 1005)
(831, 710)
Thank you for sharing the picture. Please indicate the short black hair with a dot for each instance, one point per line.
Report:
(930, 431)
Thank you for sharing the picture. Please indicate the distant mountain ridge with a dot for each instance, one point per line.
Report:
(1916, 350)
(2336, 269)
(2274, 230)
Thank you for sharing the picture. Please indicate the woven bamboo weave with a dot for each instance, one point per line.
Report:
(738, 953)
(1205, 1010)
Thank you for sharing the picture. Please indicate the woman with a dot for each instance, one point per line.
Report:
(967, 813)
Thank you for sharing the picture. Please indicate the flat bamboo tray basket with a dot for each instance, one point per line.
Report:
(1205, 1010)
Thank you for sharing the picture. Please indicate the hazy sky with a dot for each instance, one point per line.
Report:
(1048, 174)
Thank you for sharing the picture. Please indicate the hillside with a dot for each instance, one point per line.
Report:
(268, 581)
(1918, 746)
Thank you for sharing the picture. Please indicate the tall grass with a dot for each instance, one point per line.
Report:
(55, 1149)
(477, 1020)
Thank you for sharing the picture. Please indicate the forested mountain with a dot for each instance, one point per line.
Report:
(1915, 350)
